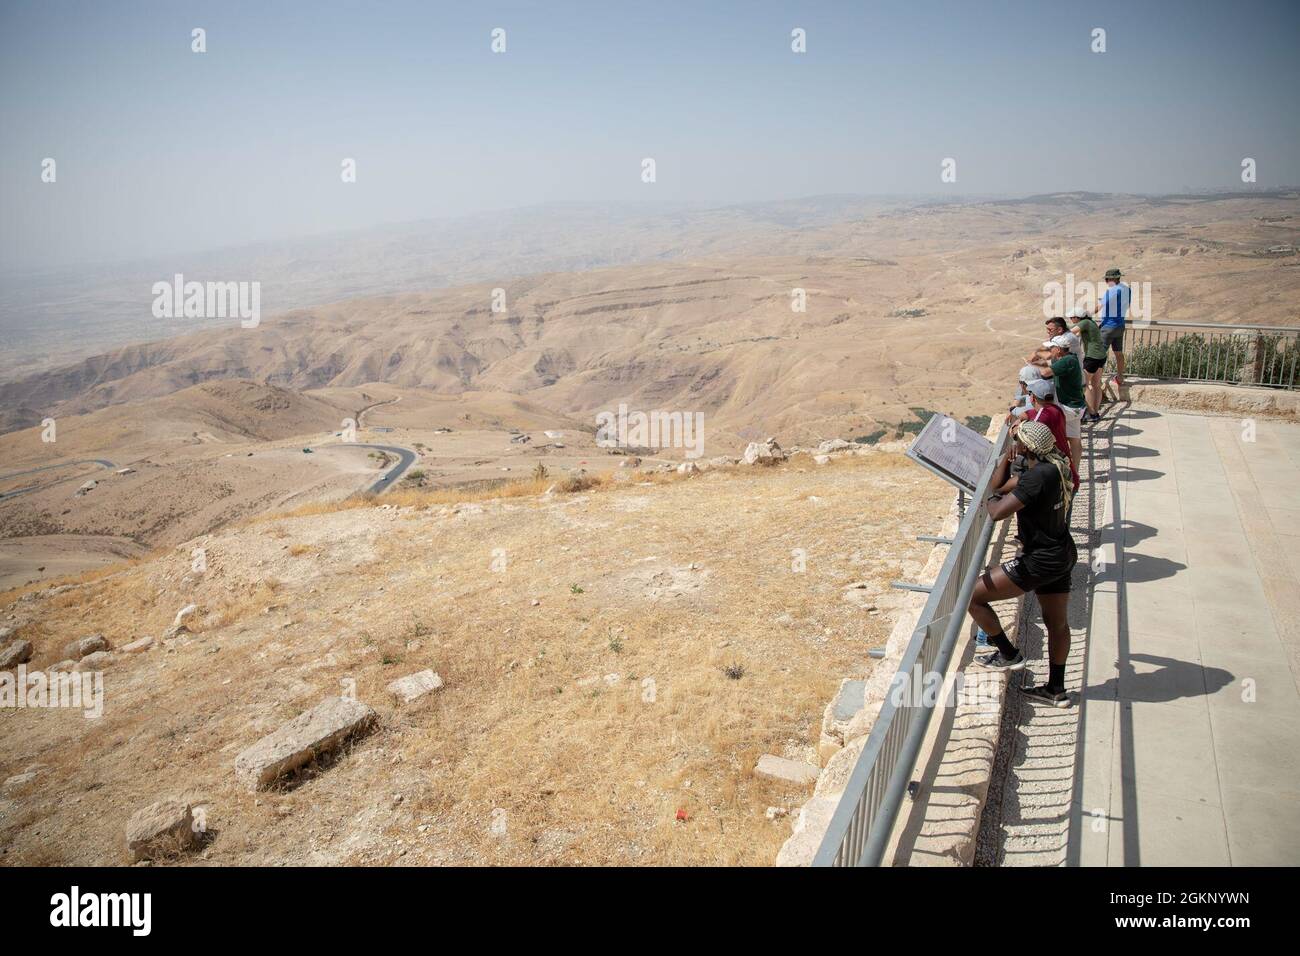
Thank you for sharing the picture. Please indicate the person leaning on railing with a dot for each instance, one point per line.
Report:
(1040, 499)
(1043, 408)
(1067, 379)
(1094, 360)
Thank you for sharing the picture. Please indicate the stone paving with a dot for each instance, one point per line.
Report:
(1182, 748)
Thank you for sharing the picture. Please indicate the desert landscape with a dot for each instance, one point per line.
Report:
(390, 477)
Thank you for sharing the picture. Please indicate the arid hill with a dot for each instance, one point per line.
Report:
(615, 661)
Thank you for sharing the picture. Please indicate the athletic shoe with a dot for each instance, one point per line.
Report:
(996, 662)
(1044, 694)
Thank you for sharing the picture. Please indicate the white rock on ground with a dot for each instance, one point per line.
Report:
(183, 613)
(786, 771)
(319, 731)
(94, 662)
(835, 776)
(135, 647)
(822, 459)
(810, 826)
(160, 829)
(15, 653)
(833, 444)
(76, 650)
(848, 702)
(17, 780)
(414, 686)
(763, 453)
(688, 468)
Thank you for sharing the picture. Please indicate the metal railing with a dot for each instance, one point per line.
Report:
(1261, 355)
(860, 828)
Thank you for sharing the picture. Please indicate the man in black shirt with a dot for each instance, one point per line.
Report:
(1040, 500)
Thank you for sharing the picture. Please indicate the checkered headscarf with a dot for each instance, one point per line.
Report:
(1040, 442)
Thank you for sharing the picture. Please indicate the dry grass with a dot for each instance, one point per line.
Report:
(476, 492)
(75, 580)
(668, 583)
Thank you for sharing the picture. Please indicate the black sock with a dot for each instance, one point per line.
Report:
(1056, 677)
(999, 640)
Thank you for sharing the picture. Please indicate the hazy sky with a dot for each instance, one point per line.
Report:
(161, 149)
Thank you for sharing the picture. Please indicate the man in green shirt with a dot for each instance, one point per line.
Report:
(1094, 360)
(1063, 368)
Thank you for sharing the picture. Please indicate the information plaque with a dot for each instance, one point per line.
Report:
(952, 451)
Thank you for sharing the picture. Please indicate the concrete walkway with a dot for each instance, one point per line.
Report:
(1188, 747)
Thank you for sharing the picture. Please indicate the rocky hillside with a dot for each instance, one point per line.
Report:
(612, 663)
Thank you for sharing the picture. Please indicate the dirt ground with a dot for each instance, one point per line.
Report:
(584, 640)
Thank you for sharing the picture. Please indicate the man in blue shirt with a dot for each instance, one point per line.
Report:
(1112, 308)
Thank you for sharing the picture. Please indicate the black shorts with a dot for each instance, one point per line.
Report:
(1112, 337)
(1043, 572)
(1091, 365)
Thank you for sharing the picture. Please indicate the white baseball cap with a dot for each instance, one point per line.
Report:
(1079, 312)
(1057, 341)
(1030, 373)
(1042, 388)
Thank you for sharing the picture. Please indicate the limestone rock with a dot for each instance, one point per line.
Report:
(319, 731)
(414, 686)
(135, 647)
(94, 662)
(18, 652)
(810, 827)
(184, 613)
(835, 776)
(17, 780)
(79, 648)
(833, 444)
(161, 829)
(763, 453)
(786, 771)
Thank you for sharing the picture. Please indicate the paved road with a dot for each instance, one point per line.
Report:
(103, 462)
(406, 458)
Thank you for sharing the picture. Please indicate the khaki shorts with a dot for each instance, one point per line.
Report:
(1073, 418)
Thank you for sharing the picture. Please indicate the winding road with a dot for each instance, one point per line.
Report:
(406, 458)
(103, 462)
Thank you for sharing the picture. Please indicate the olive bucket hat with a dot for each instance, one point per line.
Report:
(1113, 274)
